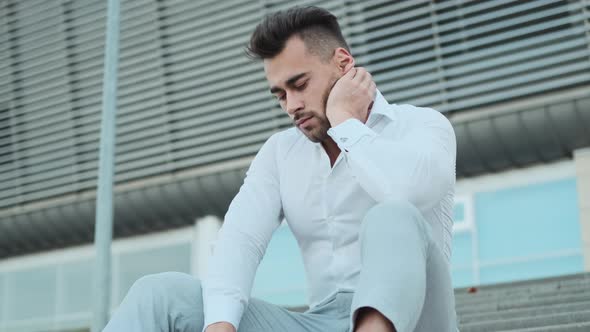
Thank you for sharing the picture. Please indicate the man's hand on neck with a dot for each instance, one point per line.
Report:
(351, 97)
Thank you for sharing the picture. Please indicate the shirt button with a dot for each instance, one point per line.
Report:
(343, 139)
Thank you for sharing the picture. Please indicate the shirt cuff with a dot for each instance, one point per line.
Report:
(350, 132)
(222, 309)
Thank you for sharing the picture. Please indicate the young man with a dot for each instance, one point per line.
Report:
(366, 187)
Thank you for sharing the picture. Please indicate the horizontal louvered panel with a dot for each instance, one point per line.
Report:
(433, 55)
(518, 64)
(199, 139)
(527, 89)
(512, 48)
(138, 135)
(197, 132)
(135, 94)
(461, 34)
(187, 95)
(407, 89)
(51, 188)
(139, 157)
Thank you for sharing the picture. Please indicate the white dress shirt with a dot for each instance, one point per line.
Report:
(402, 153)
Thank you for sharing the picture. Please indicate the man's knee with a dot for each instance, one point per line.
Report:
(163, 287)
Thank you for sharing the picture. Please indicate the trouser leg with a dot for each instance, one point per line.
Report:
(172, 301)
(403, 275)
(169, 301)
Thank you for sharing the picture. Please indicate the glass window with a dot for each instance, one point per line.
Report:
(135, 265)
(280, 278)
(462, 260)
(542, 268)
(459, 212)
(3, 299)
(538, 227)
(31, 293)
(77, 280)
(532, 220)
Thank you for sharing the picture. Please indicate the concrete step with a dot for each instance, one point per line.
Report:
(573, 327)
(524, 312)
(494, 306)
(564, 280)
(530, 295)
(527, 322)
(538, 289)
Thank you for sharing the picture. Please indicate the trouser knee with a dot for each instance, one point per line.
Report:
(392, 216)
(163, 289)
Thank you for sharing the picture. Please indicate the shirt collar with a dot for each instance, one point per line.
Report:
(381, 107)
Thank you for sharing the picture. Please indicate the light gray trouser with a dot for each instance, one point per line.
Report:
(404, 276)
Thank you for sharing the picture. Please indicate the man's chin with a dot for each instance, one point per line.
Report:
(314, 138)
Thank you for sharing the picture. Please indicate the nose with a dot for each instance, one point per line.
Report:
(294, 104)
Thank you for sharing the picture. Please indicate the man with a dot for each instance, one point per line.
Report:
(366, 187)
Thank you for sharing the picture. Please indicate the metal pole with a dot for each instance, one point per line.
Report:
(103, 231)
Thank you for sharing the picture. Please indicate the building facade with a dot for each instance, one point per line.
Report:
(512, 76)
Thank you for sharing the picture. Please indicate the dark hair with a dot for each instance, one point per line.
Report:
(317, 27)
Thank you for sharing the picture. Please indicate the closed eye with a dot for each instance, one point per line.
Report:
(301, 86)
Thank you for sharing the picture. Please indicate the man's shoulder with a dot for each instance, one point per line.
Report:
(418, 114)
(408, 110)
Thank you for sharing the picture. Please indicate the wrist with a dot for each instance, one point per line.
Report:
(338, 118)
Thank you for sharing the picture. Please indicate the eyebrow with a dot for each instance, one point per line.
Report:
(290, 82)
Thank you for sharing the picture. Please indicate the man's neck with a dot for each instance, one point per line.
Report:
(331, 149)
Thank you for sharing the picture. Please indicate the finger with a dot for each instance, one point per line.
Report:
(349, 75)
(353, 72)
(366, 79)
(360, 74)
(366, 83)
(373, 89)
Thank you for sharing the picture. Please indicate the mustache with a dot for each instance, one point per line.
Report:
(300, 116)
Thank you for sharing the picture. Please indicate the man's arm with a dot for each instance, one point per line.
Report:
(249, 223)
(419, 168)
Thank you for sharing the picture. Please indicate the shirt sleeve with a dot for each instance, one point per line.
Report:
(252, 217)
(417, 166)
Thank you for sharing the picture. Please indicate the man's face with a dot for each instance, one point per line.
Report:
(302, 83)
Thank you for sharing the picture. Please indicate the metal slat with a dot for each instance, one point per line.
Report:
(514, 47)
(579, 77)
(463, 33)
(38, 186)
(221, 104)
(523, 78)
(36, 165)
(515, 33)
(190, 10)
(516, 69)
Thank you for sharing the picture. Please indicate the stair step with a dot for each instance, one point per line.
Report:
(573, 327)
(527, 322)
(524, 312)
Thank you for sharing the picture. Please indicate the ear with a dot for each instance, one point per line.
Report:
(343, 59)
